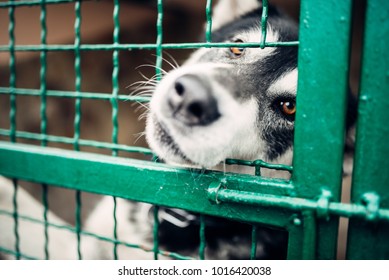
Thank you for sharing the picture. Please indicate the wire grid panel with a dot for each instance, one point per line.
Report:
(293, 205)
(78, 95)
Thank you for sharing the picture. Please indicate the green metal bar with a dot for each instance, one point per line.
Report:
(12, 4)
(77, 69)
(12, 117)
(15, 216)
(115, 77)
(77, 213)
(45, 202)
(208, 14)
(295, 238)
(43, 114)
(70, 94)
(16, 253)
(297, 204)
(77, 115)
(128, 47)
(309, 241)
(321, 102)
(43, 71)
(115, 228)
(254, 242)
(158, 75)
(202, 238)
(82, 142)
(12, 69)
(156, 232)
(260, 163)
(264, 23)
(114, 104)
(142, 181)
(158, 44)
(370, 186)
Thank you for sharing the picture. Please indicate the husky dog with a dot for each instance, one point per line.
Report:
(222, 103)
(229, 102)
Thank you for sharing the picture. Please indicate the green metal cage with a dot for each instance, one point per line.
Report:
(307, 206)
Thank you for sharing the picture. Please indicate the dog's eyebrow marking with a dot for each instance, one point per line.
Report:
(254, 36)
(286, 83)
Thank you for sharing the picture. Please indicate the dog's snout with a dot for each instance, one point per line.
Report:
(192, 102)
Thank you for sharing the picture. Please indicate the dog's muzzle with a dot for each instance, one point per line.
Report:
(191, 101)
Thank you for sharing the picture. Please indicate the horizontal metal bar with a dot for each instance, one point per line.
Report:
(14, 253)
(260, 163)
(81, 142)
(297, 204)
(149, 182)
(33, 3)
(127, 47)
(72, 94)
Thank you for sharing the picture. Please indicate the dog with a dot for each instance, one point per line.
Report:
(221, 103)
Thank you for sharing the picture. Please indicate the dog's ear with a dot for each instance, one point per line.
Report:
(226, 11)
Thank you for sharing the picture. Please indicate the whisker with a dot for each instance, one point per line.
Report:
(141, 106)
(139, 136)
(175, 65)
(152, 66)
(173, 59)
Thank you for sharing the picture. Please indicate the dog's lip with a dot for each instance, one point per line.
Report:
(170, 142)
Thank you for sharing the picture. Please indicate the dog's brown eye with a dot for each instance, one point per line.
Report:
(237, 51)
(288, 107)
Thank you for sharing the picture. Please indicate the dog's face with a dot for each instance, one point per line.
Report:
(229, 102)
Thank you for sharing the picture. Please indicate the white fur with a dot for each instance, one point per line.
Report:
(228, 10)
(234, 134)
(285, 83)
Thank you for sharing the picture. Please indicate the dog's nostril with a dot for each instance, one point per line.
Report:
(196, 109)
(180, 89)
(191, 102)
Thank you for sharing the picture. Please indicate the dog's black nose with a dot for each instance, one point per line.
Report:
(191, 101)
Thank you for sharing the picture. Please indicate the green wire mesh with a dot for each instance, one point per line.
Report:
(78, 95)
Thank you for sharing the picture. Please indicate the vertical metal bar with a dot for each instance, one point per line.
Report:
(295, 239)
(77, 69)
(202, 238)
(254, 242)
(78, 223)
(257, 170)
(115, 76)
(156, 232)
(43, 70)
(16, 219)
(208, 13)
(369, 239)
(264, 23)
(12, 70)
(43, 115)
(158, 75)
(309, 241)
(12, 117)
(321, 107)
(115, 229)
(114, 103)
(45, 203)
(77, 114)
(158, 62)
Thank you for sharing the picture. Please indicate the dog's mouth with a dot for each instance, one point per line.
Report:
(166, 141)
